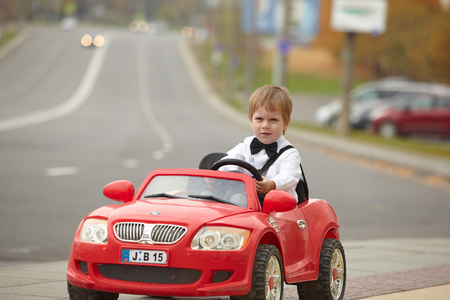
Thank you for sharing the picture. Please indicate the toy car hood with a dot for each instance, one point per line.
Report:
(173, 210)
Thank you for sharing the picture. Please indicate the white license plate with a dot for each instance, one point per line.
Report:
(144, 256)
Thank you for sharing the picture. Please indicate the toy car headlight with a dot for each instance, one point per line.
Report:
(220, 238)
(94, 231)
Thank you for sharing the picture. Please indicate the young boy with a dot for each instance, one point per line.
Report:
(270, 110)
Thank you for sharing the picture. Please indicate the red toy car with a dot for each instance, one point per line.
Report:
(197, 233)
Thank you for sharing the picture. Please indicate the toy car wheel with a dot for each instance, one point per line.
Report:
(388, 129)
(77, 293)
(332, 274)
(268, 275)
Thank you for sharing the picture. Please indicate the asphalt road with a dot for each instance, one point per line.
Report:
(73, 119)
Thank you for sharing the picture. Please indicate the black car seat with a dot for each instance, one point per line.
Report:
(209, 159)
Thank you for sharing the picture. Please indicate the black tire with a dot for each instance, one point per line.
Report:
(267, 277)
(334, 122)
(77, 293)
(332, 275)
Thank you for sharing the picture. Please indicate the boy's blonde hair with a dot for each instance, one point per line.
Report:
(272, 98)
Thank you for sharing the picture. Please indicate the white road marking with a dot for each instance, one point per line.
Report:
(70, 105)
(145, 101)
(130, 163)
(36, 74)
(61, 171)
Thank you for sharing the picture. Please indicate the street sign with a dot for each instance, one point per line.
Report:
(284, 46)
(267, 17)
(359, 16)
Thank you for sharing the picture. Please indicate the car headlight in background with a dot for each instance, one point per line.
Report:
(94, 231)
(220, 238)
(138, 26)
(86, 40)
(378, 113)
(97, 41)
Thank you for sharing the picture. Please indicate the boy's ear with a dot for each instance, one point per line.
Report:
(286, 125)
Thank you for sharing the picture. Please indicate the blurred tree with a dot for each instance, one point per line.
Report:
(404, 48)
(415, 43)
(440, 45)
(70, 8)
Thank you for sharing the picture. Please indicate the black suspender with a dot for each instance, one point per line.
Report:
(273, 159)
(302, 186)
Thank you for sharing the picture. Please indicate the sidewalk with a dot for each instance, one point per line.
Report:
(380, 269)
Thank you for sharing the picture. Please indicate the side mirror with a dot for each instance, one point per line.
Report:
(278, 201)
(121, 190)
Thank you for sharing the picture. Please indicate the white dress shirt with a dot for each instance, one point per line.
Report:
(285, 171)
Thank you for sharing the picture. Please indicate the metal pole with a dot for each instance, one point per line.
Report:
(286, 28)
(280, 59)
(347, 79)
(251, 50)
(230, 82)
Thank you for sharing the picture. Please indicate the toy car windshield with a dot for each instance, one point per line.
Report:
(197, 188)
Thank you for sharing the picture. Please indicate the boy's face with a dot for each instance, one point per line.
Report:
(268, 126)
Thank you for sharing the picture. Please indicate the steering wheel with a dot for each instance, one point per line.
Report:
(239, 163)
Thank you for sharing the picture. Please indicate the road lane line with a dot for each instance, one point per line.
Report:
(145, 101)
(130, 163)
(71, 104)
(61, 171)
(9, 94)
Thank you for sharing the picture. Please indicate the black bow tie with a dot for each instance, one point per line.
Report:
(256, 146)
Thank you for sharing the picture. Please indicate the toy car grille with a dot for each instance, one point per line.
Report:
(129, 232)
(149, 274)
(167, 233)
(149, 233)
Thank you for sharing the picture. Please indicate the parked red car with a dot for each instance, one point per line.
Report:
(197, 233)
(415, 113)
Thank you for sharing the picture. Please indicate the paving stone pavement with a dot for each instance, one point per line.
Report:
(369, 286)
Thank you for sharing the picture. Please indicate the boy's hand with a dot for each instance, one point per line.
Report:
(264, 186)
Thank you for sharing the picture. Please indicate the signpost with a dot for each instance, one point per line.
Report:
(283, 47)
(351, 17)
(290, 21)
